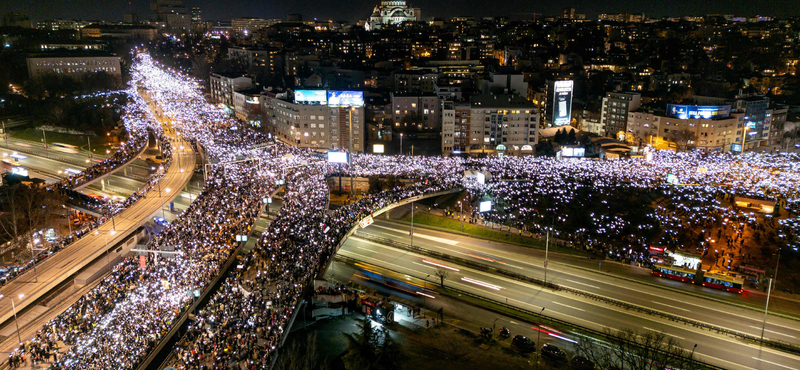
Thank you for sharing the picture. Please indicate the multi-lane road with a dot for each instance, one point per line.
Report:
(62, 266)
(714, 348)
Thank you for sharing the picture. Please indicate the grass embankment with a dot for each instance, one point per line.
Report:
(486, 233)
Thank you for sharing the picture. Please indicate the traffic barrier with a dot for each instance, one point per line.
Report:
(779, 345)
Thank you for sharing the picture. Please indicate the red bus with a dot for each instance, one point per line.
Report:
(710, 280)
(723, 282)
(674, 272)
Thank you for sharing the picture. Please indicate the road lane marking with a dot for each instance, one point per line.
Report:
(423, 236)
(774, 332)
(593, 324)
(481, 283)
(578, 282)
(671, 306)
(419, 264)
(773, 363)
(574, 308)
(367, 249)
(661, 331)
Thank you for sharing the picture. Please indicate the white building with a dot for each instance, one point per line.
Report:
(710, 134)
(488, 124)
(392, 13)
(314, 126)
(73, 66)
(247, 106)
(222, 88)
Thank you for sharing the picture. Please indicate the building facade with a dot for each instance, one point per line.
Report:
(223, 87)
(247, 106)
(690, 132)
(490, 124)
(614, 112)
(416, 110)
(73, 66)
(314, 126)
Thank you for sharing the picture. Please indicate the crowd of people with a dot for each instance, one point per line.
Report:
(121, 320)
(138, 122)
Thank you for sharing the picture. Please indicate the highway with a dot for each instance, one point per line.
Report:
(530, 262)
(67, 262)
(36, 148)
(717, 349)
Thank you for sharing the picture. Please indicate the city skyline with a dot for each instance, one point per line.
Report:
(360, 9)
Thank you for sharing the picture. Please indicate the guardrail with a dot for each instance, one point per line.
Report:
(592, 332)
(782, 346)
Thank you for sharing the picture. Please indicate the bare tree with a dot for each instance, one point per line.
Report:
(682, 138)
(442, 274)
(630, 349)
(27, 210)
(301, 356)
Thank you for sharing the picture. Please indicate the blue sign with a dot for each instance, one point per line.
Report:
(311, 97)
(345, 98)
(736, 147)
(698, 111)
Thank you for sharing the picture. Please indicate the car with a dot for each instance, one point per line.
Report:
(523, 344)
(161, 221)
(153, 160)
(582, 363)
(554, 353)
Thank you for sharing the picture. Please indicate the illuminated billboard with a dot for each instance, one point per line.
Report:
(345, 98)
(562, 103)
(378, 148)
(311, 97)
(698, 111)
(485, 206)
(337, 157)
(573, 152)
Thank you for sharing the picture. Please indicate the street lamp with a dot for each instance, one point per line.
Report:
(462, 214)
(401, 144)
(14, 307)
(539, 340)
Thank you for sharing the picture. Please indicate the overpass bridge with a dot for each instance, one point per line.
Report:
(65, 264)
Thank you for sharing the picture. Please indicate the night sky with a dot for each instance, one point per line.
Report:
(354, 10)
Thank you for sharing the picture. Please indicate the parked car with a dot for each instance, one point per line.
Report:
(554, 353)
(582, 363)
(523, 344)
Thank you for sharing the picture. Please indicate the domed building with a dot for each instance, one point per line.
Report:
(392, 12)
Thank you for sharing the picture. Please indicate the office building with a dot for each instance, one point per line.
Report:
(316, 124)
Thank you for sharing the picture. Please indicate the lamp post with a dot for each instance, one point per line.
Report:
(539, 340)
(462, 214)
(401, 144)
(546, 250)
(769, 290)
(14, 307)
(691, 357)
(412, 224)
(180, 154)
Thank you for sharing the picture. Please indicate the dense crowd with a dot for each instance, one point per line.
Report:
(138, 121)
(118, 322)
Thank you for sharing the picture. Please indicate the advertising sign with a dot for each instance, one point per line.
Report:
(345, 98)
(698, 111)
(337, 157)
(485, 206)
(736, 147)
(311, 97)
(377, 148)
(562, 103)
